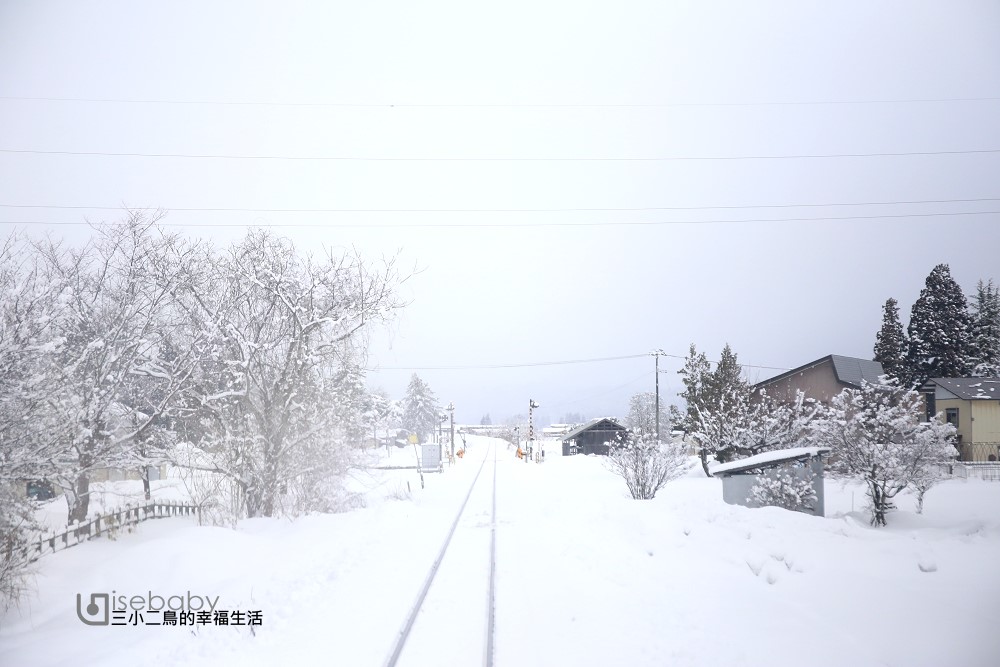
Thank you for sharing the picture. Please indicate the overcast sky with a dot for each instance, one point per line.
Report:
(664, 119)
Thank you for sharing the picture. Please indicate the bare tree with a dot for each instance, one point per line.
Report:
(108, 329)
(642, 412)
(278, 327)
(25, 306)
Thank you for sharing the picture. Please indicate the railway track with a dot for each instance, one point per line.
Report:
(452, 621)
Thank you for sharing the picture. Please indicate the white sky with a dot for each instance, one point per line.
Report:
(699, 79)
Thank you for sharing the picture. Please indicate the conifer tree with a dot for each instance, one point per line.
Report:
(718, 404)
(986, 330)
(696, 368)
(939, 331)
(728, 375)
(420, 408)
(890, 342)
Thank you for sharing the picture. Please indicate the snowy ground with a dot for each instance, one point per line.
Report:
(585, 576)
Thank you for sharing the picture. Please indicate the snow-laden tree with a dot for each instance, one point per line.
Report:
(750, 425)
(875, 433)
(773, 425)
(382, 413)
(104, 378)
(642, 413)
(694, 374)
(720, 428)
(890, 342)
(719, 405)
(675, 418)
(17, 528)
(727, 375)
(352, 404)
(420, 408)
(986, 330)
(646, 463)
(940, 331)
(276, 325)
(25, 308)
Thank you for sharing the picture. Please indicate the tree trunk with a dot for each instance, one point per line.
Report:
(81, 502)
(704, 462)
(879, 507)
(145, 481)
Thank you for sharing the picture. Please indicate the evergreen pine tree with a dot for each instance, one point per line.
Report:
(694, 373)
(986, 330)
(351, 401)
(890, 342)
(420, 408)
(718, 403)
(728, 375)
(939, 331)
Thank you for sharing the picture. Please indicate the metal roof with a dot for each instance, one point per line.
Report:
(852, 371)
(848, 370)
(589, 425)
(971, 389)
(769, 459)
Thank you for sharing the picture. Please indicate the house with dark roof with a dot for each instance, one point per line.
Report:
(821, 379)
(593, 437)
(972, 405)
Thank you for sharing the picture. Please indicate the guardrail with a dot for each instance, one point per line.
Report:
(109, 523)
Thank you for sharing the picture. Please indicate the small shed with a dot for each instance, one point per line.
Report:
(592, 437)
(739, 477)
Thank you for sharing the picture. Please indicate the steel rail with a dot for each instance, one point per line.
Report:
(404, 633)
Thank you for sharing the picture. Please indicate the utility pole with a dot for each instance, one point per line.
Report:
(657, 354)
(531, 427)
(451, 411)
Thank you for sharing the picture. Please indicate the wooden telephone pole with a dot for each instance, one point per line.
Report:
(657, 354)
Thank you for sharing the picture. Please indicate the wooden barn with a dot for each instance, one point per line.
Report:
(592, 437)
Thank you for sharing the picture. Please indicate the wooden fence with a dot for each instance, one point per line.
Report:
(110, 523)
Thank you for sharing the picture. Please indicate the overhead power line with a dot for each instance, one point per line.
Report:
(549, 363)
(492, 366)
(488, 105)
(526, 225)
(236, 209)
(356, 158)
(601, 393)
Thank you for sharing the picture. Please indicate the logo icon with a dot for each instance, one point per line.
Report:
(93, 609)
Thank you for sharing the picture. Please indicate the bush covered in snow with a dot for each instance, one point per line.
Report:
(785, 489)
(646, 464)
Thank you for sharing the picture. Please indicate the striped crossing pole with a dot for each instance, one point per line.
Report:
(531, 427)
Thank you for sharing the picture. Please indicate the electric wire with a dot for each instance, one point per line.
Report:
(236, 209)
(358, 158)
(488, 105)
(508, 225)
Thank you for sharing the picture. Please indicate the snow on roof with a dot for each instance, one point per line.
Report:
(770, 459)
(969, 389)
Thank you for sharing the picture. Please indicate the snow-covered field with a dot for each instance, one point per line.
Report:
(585, 576)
